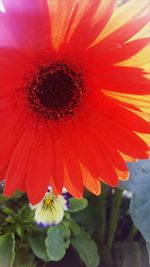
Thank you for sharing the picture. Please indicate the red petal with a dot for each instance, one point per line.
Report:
(124, 117)
(90, 182)
(119, 79)
(128, 50)
(3, 173)
(8, 138)
(120, 137)
(127, 31)
(16, 172)
(94, 157)
(113, 154)
(39, 168)
(104, 163)
(72, 165)
(58, 166)
(93, 9)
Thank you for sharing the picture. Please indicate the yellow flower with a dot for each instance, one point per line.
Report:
(50, 210)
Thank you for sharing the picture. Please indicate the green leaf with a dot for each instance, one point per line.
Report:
(86, 248)
(77, 204)
(57, 241)
(19, 230)
(26, 214)
(7, 210)
(127, 254)
(2, 199)
(37, 243)
(24, 259)
(88, 218)
(74, 227)
(139, 185)
(7, 247)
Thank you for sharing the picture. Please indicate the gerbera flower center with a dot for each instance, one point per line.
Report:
(55, 91)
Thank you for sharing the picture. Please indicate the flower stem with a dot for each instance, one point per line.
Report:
(114, 217)
(101, 207)
(133, 233)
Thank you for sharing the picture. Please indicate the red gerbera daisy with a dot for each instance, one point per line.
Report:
(74, 94)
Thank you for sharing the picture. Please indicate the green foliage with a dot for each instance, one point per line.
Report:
(32, 242)
(92, 226)
(86, 248)
(74, 227)
(57, 241)
(88, 218)
(7, 247)
(130, 254)
(38, 246)
(23, 259)
(4, 199)
(17, 220)
(77, 204)
(20, 220)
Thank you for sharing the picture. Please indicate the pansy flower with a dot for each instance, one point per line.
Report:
(74, 94)
(50, 210)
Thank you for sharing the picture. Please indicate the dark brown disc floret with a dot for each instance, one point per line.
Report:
(55, 91)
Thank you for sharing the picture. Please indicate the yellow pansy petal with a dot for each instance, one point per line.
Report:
(53, 215)
(62, 202)
(50, 211)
